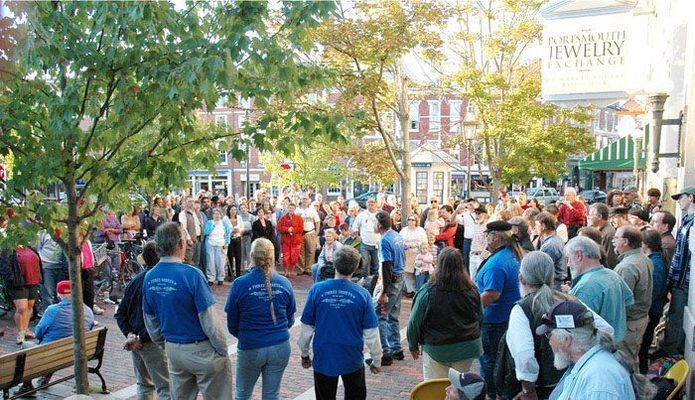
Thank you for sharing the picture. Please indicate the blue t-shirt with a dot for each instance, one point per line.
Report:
(175, 293)
(248, 310)
(340, 311)
(500, 273)
(392, 248)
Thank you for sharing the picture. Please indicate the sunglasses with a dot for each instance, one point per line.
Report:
(434, 201)
(411, 219)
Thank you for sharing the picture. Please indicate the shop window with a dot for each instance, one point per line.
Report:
(438, 186)
(421, 187)
(335, 191)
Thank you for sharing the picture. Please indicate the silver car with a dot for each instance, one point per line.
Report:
(543, 194)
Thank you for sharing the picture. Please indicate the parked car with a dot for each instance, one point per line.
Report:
(594, 196)
(545, 195)
(362, 199)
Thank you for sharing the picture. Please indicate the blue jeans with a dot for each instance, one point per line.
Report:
(491, 335)
(389, 326)
(270, 361)
(370, 260)
(467, 253)
(421, 279)
(51, 277)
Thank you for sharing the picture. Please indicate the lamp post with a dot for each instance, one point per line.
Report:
(470, 126)
(656, 106)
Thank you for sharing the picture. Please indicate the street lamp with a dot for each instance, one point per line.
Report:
(470, 126)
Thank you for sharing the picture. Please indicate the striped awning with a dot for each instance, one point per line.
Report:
(617, 156)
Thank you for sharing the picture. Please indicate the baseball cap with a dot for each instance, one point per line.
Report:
(565, 315)
(685, 190)
(63, 287)
(470, 386)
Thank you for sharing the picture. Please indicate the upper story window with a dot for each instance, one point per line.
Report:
(435, 115)
(455, 116)
(414, 116)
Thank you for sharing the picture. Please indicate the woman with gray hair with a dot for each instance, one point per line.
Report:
(534, 374)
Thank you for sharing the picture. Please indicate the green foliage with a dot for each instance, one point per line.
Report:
(108, 93)
(520, 136)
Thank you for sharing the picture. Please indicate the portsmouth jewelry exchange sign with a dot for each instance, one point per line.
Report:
(588, 59)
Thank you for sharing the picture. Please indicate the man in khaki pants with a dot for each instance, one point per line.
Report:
(179, 315)
(310, 240)
(636, 270)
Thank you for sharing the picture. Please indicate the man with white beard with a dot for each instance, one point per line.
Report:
(594, 372)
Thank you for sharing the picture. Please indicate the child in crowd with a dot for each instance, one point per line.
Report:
(424, 264)
(346, 238)
(433, 224)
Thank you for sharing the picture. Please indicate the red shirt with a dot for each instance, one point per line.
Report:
(296, 223)
(575, 216)
(30, 263)
(447, 235)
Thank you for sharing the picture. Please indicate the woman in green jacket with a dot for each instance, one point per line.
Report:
(445, 322)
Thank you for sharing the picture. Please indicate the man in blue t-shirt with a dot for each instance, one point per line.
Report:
(387, 293)
(340, 317)
(498, 283)
(179, 315)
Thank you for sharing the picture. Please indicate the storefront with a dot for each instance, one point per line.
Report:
(431, 174)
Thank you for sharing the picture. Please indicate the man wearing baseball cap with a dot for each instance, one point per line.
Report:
(679, 273)
(465, 386)
(594, 371)
(56, 322)
(498, 284)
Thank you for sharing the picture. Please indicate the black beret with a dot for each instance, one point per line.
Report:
(500, 226)
(639, 213)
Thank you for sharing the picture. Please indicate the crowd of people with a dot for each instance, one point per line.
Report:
(544, 296)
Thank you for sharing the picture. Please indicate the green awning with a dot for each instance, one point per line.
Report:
(617, 156)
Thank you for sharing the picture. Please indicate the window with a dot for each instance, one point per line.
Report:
(221, 120)
(244, 102)
(223, 154)
(438, 186)
(241, 118)
(455, 116)
(435, 115)
(221, 102)
(421, 187)
(414, 115)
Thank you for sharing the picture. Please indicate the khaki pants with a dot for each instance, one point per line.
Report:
(195, 367)
(307, 252)
(629, 347)
(151, 373)
(432, 369)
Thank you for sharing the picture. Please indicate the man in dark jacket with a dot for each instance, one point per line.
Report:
(150, 360)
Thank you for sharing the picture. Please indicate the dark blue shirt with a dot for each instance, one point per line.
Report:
(500, 273)
(392, 248)
(248, 310)
(659, 284)
(129, 313)
(340, 311)
(175, 293)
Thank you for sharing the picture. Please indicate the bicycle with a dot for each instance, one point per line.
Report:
(110, 279)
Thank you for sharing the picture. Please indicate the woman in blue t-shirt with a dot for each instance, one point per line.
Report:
(260, 311)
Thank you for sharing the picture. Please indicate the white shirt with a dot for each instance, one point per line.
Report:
(310, 217)
(365, 225)
(561, 232)
(521, 345)
(216, 237)
(469, 225)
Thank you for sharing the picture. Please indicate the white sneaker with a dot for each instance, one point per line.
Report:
(21, 336)
(98, 310)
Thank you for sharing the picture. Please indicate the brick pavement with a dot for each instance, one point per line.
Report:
(394, 382)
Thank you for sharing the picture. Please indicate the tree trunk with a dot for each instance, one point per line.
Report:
(404, 119)
(74, 259)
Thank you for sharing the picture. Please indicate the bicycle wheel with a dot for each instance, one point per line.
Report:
(103, 280)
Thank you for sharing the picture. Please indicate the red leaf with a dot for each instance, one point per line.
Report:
(136, 89)
(57, 232)
(10, 212)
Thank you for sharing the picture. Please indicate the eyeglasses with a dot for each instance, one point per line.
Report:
(411, 219)
(434, 201)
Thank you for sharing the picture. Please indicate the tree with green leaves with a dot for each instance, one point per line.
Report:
(365, 44)
(107, 94)
(519, 136)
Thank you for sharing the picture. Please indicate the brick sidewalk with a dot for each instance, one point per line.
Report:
(394, 382)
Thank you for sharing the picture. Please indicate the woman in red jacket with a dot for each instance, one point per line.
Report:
(447, 233)
(291, 226)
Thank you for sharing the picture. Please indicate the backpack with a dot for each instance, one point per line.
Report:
(327, 271)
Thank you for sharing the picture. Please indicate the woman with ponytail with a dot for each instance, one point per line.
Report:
(260, 311)
(534, 374)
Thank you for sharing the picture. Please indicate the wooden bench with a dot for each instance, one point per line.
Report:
(35, 362)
